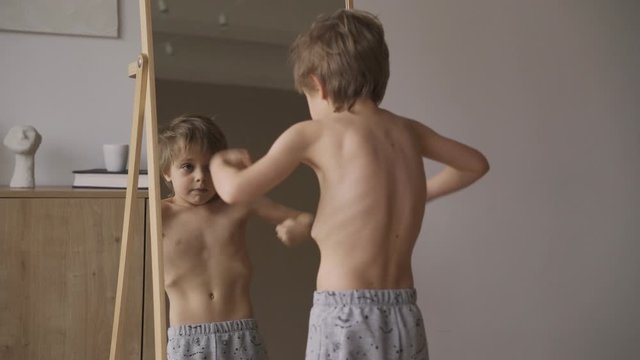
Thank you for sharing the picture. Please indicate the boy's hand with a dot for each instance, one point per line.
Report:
(294, 231)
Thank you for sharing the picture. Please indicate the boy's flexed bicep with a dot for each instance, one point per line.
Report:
(237, 180)
(463, 164)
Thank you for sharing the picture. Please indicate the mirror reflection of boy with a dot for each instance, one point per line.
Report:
(207, 270)
(373, 189)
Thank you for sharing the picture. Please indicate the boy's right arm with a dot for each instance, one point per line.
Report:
(239, 181)
(464, 165)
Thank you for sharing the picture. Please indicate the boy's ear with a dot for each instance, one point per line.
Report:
(319, 86)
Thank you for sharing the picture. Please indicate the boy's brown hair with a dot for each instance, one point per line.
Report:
(347, 52)
(190, 131)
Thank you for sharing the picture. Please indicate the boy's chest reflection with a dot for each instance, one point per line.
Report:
(206, 246)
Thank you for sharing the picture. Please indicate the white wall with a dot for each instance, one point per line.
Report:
(73, 89)
(540, 259)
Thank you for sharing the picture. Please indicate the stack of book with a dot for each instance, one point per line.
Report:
(101, 178)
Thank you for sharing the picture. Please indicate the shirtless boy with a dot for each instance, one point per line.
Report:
(206, 266)
(369, 164)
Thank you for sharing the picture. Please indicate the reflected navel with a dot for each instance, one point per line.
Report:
(211, 296)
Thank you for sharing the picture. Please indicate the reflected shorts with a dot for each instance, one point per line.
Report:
(236, 339)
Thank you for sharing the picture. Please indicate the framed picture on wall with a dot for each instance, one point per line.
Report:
(74, 17)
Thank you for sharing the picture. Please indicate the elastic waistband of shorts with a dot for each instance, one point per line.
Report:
(213, 328)
(366, 297)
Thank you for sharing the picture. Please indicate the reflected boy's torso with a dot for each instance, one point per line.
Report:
(206, 267)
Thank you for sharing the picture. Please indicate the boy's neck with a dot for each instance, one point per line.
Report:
(185, 203)
(361, 106)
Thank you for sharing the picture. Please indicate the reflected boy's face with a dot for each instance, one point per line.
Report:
(191, 179)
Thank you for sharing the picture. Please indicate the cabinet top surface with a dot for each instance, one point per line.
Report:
(65, 192)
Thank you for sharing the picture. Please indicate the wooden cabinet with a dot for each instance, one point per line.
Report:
(59, 254)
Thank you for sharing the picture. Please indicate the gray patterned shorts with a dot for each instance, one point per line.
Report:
(227, 340)
(366, 324)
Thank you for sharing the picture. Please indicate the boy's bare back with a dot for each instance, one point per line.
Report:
(207, 270)
(372, 186)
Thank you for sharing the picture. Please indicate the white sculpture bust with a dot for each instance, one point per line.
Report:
(24, 141)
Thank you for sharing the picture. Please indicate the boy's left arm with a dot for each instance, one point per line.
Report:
(293, 226)
(238, 181)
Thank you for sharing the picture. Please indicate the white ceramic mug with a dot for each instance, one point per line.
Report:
(115, 156)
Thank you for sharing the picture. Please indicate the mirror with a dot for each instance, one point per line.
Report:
(228, 59)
